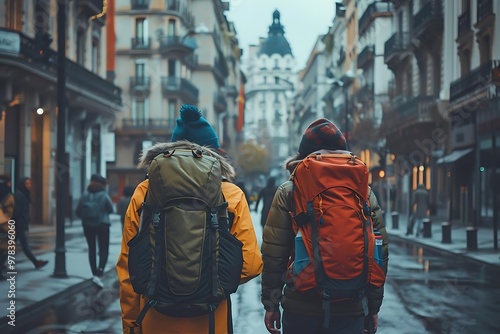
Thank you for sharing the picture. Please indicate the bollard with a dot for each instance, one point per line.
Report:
(471, 238)
(427, 228)
(395, 220)
(446, 233)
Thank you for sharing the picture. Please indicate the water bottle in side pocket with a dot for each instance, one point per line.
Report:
(377, 252)
(301, 257)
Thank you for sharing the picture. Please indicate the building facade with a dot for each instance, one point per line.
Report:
(270, 86)
(471, 161)
(170, 53)
(28, 95)
(415, 115)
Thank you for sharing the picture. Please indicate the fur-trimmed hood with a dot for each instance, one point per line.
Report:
(148, 155)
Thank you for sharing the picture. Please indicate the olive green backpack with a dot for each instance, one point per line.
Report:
(184, 259)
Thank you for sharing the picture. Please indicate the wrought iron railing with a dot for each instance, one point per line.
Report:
(141, 43)
(365, 56)
(429, 13)
(476, 80)
(147, 124)
(139, 4)
(180, 85)
(484, 9)
(399, 42)
(464, 23)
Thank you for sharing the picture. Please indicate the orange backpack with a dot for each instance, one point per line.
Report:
(335, 240)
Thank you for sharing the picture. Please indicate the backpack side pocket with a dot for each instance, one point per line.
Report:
(140, 260)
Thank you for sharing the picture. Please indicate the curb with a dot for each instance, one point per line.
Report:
(445, 252)
(85, 293)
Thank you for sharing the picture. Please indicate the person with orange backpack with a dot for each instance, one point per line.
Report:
(324, 242)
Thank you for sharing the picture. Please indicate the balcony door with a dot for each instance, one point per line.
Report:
(141, 31)
(140, 73)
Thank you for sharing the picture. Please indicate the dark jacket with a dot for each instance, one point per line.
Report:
(277, 247)
(98, 190)
(22, 210)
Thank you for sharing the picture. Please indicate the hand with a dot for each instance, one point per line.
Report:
(371, 323)
(375, 322)
(272, 321)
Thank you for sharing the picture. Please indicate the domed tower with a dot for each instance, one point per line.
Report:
(270, 87)
(276, 42)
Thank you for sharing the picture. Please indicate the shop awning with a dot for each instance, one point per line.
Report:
(454, 156)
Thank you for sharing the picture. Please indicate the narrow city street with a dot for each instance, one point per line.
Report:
(427, 292)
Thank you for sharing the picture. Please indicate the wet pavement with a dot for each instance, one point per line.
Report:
(432, 288)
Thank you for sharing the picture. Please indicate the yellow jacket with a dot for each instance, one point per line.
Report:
(157, 323)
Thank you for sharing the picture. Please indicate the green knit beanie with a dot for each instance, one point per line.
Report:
(193, 127)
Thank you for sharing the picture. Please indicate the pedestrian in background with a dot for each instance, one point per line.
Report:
(94, 208)
(122, 205)
(266, 194)
(7, 212)
(22, 217)
(420, 209)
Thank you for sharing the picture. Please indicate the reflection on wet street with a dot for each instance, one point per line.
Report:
(449, 294)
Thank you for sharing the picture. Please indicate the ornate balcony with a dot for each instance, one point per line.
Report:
(232, 91)
(139, 126)
(464, 25)
(141, 43)
(139, 4)
(406, 112)
(220, 102)
(142, 84)
(89, 8)
(365, 58)
(175, 44)
(374, 10)
(482, 82)
(396, 49)
(484, 9)
(180, 87)
(220, 69)
(428, 22)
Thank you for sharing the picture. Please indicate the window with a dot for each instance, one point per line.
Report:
(171, 28)
(95, 55)
(265, 79)
(172, 68)
(139, 112)
(80, 47)
(276, 65)
(276, 80)
(140, 69)
(41, 15)
(141, 31)
(172, 112)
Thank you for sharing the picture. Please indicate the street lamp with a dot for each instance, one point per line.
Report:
(61, 162)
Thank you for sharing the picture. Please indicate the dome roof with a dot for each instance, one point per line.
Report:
(275, 43)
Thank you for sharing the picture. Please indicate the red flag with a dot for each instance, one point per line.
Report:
(241, 109)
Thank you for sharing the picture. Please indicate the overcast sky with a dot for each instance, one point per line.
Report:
(304, 21)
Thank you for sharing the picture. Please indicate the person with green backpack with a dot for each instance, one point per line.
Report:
(93, 209)
(188, 238)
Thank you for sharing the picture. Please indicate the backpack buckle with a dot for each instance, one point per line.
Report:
(156, 221)
(214, 220)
